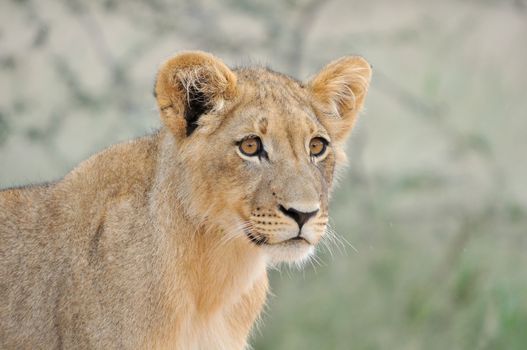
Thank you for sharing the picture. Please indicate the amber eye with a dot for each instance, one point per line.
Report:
(251, 146)
(317, 146)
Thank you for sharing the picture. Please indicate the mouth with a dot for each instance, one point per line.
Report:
(295, 239)
(260, 240)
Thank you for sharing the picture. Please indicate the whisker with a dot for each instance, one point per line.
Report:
(343, 240)
(234, 231)
(318, 260)
(327, 245)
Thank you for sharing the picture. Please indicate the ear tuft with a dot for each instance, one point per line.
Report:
(339, 91)
(189, 85)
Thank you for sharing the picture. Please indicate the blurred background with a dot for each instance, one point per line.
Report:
(432, 212)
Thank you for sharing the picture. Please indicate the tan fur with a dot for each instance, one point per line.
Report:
(163, 242)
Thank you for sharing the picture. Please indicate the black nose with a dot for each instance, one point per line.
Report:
(299, 216)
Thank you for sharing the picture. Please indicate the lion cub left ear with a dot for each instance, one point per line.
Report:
(338, 91)
(190, 85)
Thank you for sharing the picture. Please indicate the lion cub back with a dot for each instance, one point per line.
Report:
(74, 255)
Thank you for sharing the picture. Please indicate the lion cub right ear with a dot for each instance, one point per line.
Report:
(190, 85)
(339, 90)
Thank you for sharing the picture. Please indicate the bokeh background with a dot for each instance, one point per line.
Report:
(432, 212)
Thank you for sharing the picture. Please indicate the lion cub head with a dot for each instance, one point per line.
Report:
(257, 151)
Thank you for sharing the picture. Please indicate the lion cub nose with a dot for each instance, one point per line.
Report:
(300, 217)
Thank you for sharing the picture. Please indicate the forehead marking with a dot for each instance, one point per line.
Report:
(262, 125)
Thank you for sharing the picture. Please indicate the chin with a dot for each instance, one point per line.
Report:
(289, 252)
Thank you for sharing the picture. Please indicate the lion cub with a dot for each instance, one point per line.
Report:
(163, 242)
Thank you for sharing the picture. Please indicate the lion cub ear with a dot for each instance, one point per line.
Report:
(339, 90)
(189, 85)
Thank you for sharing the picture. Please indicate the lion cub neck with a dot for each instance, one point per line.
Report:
(226, 280)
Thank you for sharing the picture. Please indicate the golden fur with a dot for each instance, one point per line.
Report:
(163, 242)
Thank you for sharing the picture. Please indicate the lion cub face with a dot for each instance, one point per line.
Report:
(258, 149)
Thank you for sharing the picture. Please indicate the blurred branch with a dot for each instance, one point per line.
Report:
(98, 40)
(306, 16)
(80, 95)
(4, 128)
(407, 98)
(462, 142)
(96, 35)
